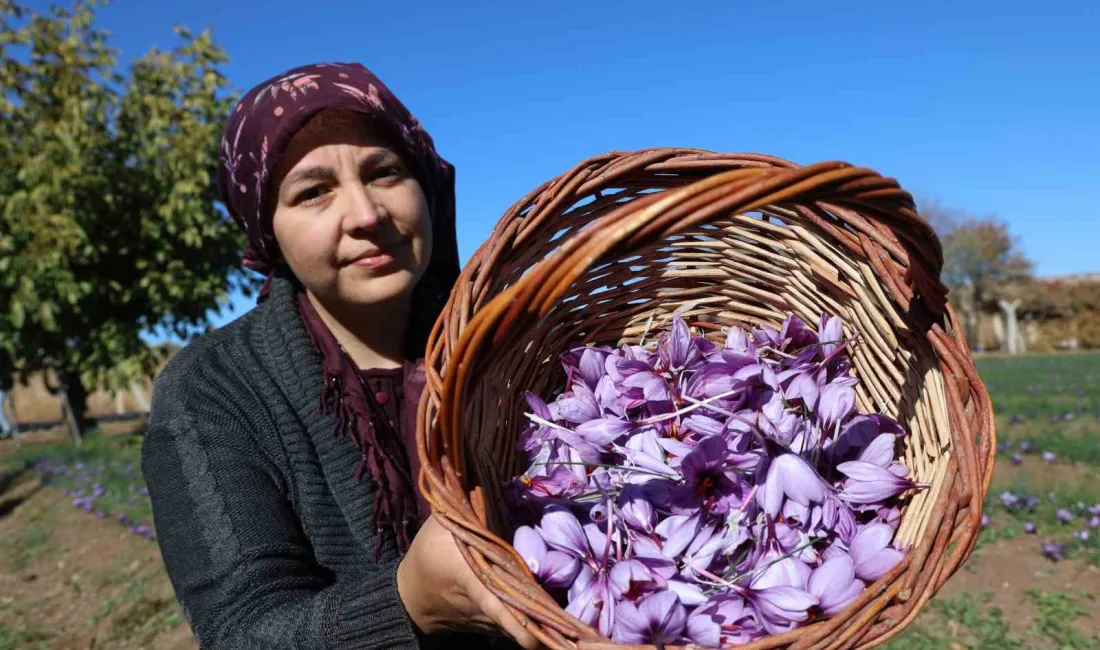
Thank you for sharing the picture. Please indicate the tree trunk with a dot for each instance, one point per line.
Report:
(74, 399)
(8, 405)
(1013, 341)
(137, 389)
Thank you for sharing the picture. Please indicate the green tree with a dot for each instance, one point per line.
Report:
(109, 225)
(981, 257)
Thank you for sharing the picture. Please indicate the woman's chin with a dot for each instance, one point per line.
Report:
(380, 289)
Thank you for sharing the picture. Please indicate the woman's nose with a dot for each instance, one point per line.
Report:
(362, 211)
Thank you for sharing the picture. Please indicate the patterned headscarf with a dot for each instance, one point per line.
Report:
(271, 113)
(255, 139)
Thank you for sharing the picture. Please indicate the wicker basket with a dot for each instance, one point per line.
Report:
(620, 242)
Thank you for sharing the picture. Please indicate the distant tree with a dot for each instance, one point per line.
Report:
(981, 257)
(108, 221)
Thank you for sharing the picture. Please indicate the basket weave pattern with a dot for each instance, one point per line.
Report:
(606, 252)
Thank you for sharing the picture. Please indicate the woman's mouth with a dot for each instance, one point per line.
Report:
(375, 260)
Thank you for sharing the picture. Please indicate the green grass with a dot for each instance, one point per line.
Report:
(969, 622)
(1043, 386)
(26, 546)
(1057, 610)
(959, 623)
(23, 638)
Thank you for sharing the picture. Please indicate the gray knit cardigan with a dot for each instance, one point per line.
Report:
(263, 527)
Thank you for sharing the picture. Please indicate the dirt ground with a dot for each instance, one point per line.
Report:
(69, 580)
(1010, 568)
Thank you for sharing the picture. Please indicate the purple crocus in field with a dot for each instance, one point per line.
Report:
(1082, 536)
(985, 521)
(1030, 528)
(1048, 456)
(658, 619)
(1017, 459)
(1053, 551)
(1064, 516)
(1009, 500)
(1094, 523)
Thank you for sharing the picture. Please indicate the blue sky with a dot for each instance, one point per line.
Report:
(994, 107)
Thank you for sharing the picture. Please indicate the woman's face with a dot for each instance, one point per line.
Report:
(351, 220)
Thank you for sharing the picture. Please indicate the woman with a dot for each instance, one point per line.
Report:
(279, 456)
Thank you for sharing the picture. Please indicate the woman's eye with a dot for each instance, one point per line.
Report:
(311, 196)
(390, 173)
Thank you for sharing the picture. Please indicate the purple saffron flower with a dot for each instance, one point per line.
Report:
(779, 609)
(578, 405)
(658, 619)
(834, 583)
(1026, 447)
(1017, 459)
(1094, 523)
(985, 521)
(1095, 510)
(872, 554)
(870, 483)
(1009, 500)
(791, 476)
(552, 568)
(724, 621)
(557, 482)
(677, 350)
(1030, 528)
(1082, 536)
(835, 403)
(1048, 456)
(881, 450)
(830, 334)
(1055, 552)
(708, 483)
(603, 431)
(636, 508)
(1064, 516)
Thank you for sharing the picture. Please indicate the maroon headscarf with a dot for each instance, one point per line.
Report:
(255, 139)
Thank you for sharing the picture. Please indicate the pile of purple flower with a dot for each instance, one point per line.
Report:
(692, 492)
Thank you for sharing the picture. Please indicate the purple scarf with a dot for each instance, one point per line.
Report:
(388, 453)
(254, 141)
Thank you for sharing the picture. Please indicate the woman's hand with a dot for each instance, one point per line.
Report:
(442, 594)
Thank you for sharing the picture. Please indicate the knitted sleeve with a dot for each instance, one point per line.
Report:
(235, 552)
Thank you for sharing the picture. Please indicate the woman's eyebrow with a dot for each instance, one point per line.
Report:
(375, 158)
(318, 173)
